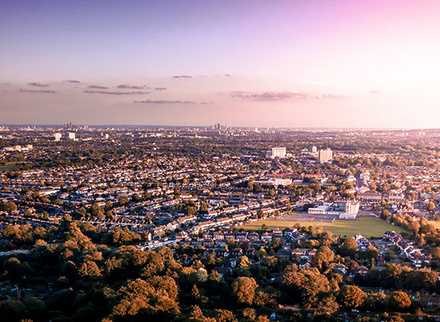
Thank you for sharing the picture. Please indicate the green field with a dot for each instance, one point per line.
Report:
(10, 166)
(366, 226)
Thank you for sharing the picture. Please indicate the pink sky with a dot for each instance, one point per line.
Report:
(242, 63)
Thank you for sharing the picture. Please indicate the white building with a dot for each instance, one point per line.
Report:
(352, 207)
(325, 155)
(320, 210)
(57, 136)
(313, 149)
(275, 182)
(278, 152)
(27, 148)
(351, 210)
(72, 136)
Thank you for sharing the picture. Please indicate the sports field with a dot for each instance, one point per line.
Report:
(366, 226)
(10, 166)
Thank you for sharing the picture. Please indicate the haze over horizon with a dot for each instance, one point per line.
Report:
(296, 64)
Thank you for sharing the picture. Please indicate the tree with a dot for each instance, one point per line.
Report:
(203, 207)
(266, 299)
(430, 206)
(12, 310)
(10, 206)
(202, 275)
(436, 253)
(215, 276)
(352, 264)
(89, 269)
(244, 289)
(97, 211)
(196, 314)
(276, 244)
(260, 253)
(77, 240)
(324, 255)
(15, 269)
(327, 238)
(414, 226)
(158, 294)
(244, 263)
(249, 314)
(191, 210)
(384, 214)
(123, 200)
(327, 306)
(399, 301)
(351, 296)
(349, 247)
(225, 316)
(372, 252)
(40, 233)
(195, 293)
(426, 227)
(304, 284)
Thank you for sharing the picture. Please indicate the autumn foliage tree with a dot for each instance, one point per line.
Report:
(351, 296)
(244, 289)
(399, 301)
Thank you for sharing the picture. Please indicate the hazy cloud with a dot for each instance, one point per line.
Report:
(73, 81)
(98, 87)
(160, 88)
(39, 84)
(132, 86)
(47, 91)
(282, 96)
(164, 102)
(115, 93)
(375, 92)
(331, 96)
(201, 76)
(334, 96)
(269, 96)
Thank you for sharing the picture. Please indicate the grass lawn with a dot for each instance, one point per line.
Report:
(366, 226)
(10, 166)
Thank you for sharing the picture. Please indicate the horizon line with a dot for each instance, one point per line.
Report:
(225, 126)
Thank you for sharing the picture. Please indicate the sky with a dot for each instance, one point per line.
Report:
(296, 63)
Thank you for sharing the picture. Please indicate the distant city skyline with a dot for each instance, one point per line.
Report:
(290, 64)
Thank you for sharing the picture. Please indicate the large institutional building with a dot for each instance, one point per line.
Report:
(349, 210)
(325, 155)
(278, 152)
